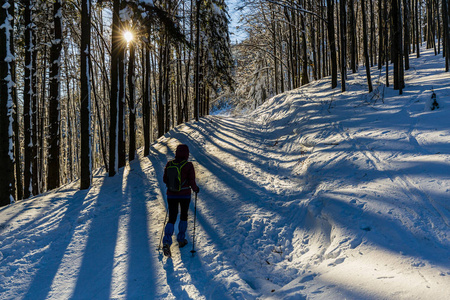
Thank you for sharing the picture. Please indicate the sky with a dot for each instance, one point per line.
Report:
(235, 33)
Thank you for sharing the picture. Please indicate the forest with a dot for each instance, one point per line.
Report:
(84, 83)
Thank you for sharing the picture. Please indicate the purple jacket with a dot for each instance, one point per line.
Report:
(187, 174)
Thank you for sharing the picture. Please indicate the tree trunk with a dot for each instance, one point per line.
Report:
(53, 164)
(365, 45)
(85, 93)
(7, 183)
(132, 96)
(343, 27)
(197, 64)
(372, 33)
(146, 101)
(406, 26)
(386, 41)
(28, 98)
(332, 43)
(305, 79)
(352, 35)
(380, 34)
(418, 29)
(397, 55)
(446, 40)
(114, 97)
(121, 112)
(274, 42)
(34, 121)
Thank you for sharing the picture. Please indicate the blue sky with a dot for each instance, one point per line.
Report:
(235, 15)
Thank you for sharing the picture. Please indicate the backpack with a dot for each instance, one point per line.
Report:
(173, 173)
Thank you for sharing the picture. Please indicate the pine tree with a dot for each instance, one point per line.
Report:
(220, 58)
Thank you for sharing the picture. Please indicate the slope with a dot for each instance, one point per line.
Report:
(314, 195)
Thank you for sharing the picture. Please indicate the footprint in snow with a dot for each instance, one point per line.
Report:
(357, 203)
(337, 262)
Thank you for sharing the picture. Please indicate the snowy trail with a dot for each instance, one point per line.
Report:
(314, 195)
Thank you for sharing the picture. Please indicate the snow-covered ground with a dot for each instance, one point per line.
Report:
(317, 194)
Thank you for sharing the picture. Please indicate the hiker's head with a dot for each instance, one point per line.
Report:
(182, 152)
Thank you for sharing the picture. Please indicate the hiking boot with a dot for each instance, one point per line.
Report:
(166, 250)
(182, 243)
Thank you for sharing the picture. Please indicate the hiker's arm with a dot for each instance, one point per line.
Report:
(191, 177)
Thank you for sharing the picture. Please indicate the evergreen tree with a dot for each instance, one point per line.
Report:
(220, 58)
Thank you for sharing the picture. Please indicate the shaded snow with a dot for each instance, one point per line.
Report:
(314, 195)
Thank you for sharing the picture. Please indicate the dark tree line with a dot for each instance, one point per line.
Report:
(76, 95)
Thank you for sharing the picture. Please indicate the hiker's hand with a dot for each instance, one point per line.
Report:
(197, 190)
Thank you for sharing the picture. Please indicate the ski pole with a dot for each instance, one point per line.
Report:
(195, 218)
(162, 231)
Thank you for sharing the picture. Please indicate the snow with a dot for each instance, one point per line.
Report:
(126, 14)
(147, 2)
(316, 194)
(58, 14)
(10, 84)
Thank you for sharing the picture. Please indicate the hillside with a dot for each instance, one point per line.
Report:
(316, 194)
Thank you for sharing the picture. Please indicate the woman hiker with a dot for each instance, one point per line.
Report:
(179, 177)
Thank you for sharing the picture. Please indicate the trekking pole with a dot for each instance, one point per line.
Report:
(195, 218)
(162, 232)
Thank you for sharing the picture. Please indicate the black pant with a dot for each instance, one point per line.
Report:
(173, 209)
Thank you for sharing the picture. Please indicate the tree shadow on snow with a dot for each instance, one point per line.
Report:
(141, 277)
(41, 285)
(95, 275)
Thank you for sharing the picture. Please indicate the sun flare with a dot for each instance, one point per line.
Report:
(128, 35)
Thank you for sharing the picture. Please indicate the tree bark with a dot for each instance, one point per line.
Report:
(85, 93)
(343, 27)
(406, 26)
(7, 183)
(332, 42)
(28, 98)
(146, 101)
(352, 36)
(197, 64)
(114, 97)
(365, 45)
(446, 40)
(132, 96)
(53, 164)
